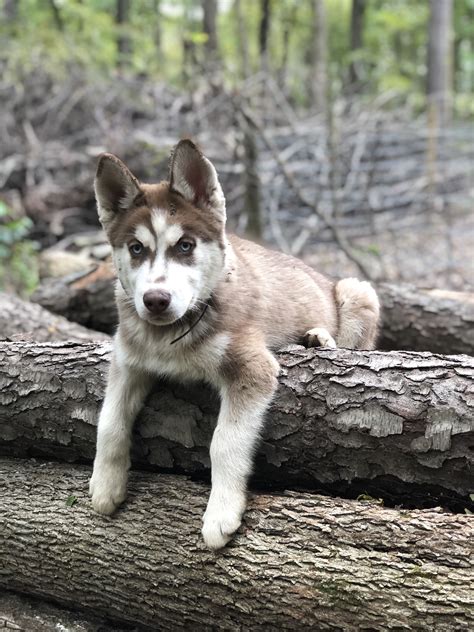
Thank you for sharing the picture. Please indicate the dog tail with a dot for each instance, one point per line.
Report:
(359, 311)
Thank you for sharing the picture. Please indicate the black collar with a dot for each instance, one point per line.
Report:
(193, 325)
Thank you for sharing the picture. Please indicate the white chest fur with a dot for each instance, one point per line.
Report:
(179, 360)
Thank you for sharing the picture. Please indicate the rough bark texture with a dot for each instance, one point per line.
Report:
(380, 421)
(88, 300)
(22, 320)
(426, 320)
(29, 614)
(412, 318)
(300, 561)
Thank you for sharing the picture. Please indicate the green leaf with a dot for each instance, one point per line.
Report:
(471, 496)
(370, 499)
(71, 500)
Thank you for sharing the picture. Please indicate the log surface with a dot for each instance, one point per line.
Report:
(300, 561)
(426, 320)
(395, 418)
(412, 318)
(22, 320)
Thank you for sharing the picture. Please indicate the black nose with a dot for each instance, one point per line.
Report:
(156, 301)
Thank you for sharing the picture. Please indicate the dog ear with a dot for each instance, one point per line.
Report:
(115, 187)
(194, 177)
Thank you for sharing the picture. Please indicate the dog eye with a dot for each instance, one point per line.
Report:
(136, 249)
(185, 247)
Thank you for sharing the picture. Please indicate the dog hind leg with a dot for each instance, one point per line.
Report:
(359, 311)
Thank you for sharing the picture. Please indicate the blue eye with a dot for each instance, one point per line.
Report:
(185, 246)
(136, 249)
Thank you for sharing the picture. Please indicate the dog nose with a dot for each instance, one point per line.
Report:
(156, 301)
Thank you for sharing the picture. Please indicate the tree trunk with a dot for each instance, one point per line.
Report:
(318, 57)
(412, 318)
(439, 64)
(28, 614)
(399, 425)
(123, 40)
(426, 320)
(251, 183)
(357, 32)
(299, 561)
(10, 10)
(209, 8)
(22, 320)
(242, 38)
(88, 300)
(263, 33)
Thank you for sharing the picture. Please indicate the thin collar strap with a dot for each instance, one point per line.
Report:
(193, 325)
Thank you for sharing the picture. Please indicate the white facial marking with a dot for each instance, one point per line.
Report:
(166, 234)
(189, 283)
(145, 236)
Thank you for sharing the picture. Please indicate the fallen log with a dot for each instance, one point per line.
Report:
(426, 320)
(86, 298)
(348, 420)
(300, 561)
(28, 614)
(22, 320)
(412, 318)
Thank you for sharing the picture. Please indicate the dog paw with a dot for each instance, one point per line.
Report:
(108, 488)
(220, 522)
(319, 337)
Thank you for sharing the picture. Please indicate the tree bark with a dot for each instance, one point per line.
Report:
(318, 58)
(357, 31)
(263, 33)
(399, 424)
(439, 79)
(22, 320)
(242, 38)
(123, 40)
(412, 318)
(426, 320)
(209, 8)
(88, 300)
(299, 561)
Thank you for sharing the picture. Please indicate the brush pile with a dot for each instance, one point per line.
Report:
(373, 170)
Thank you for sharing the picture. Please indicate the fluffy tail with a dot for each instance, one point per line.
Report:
(359, 311)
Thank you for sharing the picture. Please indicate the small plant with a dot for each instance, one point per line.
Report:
(18, 255)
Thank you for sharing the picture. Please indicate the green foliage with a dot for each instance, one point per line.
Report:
(71, 501)
(85, 34)
(18, 259)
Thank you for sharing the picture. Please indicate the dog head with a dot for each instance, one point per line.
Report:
(168, 239)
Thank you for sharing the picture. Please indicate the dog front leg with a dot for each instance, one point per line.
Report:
(125, 394)
(243, 407)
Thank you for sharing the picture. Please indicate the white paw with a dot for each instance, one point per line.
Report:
(108, 488)
(220, 521)
(320, 337)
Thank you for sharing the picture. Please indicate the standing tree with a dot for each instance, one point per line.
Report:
(242, 38)
(10, 10)
(439, 59)
(209, 8)
(357, 33)
(263, 33)
(318, 84)
(123, 41)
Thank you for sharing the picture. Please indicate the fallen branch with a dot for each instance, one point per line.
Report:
(385, 420)
(412, 318)
(22, 320)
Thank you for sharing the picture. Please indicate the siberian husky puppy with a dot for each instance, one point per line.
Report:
(198, 304)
